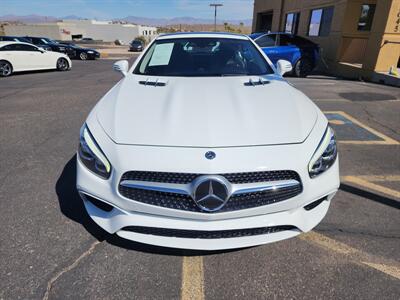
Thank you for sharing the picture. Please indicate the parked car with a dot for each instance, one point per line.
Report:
(301, 52)
(54, 45)
(82, 53)
(72, 50)
(202, 145)
(5, 38)
(119, 42)
(136, 46)
(17, 57)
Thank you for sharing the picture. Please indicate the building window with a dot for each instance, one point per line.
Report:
(366, 17)
(320, 21)
(292, 22)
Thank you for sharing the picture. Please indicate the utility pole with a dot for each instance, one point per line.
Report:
(215, 5)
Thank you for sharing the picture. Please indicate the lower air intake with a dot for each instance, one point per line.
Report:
(202, 234)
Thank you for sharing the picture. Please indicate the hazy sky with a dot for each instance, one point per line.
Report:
(106, 9)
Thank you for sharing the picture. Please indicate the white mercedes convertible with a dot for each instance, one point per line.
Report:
(204, 145)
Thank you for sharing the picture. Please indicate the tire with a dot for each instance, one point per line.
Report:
(83, 56)
(6, 68)
(62, 64)
(303, 67)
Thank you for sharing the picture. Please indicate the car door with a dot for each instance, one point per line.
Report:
(12, 54)
(287, 49)
(35, 59)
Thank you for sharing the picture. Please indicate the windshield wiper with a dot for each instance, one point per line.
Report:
(234, 74)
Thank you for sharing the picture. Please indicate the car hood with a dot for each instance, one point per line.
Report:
(205, 112)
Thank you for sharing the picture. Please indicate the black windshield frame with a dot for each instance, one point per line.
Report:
(247, 59)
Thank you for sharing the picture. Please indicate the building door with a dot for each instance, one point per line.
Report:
(264, 21)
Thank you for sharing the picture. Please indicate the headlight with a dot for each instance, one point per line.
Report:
(90, 52)
(325, 155)
(91, 155)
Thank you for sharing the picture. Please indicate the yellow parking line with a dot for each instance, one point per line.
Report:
(391, 268)
(356, 142)
(327, 243)
(373, 186)
(386, 140)
(380, 178)
(192, 278)
(331, 100)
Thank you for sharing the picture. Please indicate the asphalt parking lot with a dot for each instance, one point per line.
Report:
(50, 249)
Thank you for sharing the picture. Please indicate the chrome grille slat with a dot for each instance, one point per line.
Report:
(182, 178)
(186, 189)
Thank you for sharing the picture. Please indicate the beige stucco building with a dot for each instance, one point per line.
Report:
(359, 38)
(71, 29)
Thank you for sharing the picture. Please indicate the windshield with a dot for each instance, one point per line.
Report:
(48, 41)
(202, 57)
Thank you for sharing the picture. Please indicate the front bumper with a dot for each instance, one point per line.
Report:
(290, 212)
(94, 55)
(117, 221)
(135, 49)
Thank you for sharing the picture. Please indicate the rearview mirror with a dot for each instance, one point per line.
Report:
(121, 66)
(283, 67)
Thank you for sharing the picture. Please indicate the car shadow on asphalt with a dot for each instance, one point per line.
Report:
(369, 195)
(34, 72)
(71, 205)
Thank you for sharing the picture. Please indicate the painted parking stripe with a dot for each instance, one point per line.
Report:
(380, 138)
(387, 266)
(331, 100)
(370, 185)
(380, 178)
(192, 278)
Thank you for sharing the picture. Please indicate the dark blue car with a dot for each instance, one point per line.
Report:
(302, 53)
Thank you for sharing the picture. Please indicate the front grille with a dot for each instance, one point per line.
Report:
(202, 234)
(186, 203)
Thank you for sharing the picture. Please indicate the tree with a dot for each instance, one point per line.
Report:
(142, 39)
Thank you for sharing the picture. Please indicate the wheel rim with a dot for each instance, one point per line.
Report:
(303, 67)
(5, 69)
(83, 56)
(62, 64)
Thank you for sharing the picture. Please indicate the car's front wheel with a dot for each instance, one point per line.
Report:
(62, 64)
(6, 68)
(83, 56)
(303, 67)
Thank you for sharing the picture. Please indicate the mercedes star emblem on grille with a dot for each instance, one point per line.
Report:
(211, 193)
(210, 155)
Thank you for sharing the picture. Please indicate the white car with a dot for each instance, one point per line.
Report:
(203, 145)
(18, 57)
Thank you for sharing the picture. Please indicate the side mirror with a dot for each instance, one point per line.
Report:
(283, 67)
(121, 66)
(41, 50)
